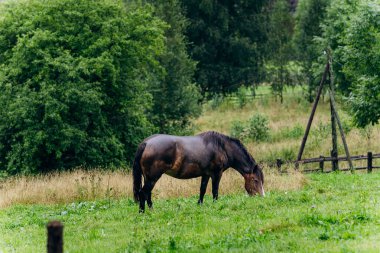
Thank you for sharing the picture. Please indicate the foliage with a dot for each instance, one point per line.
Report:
(241, 96)
(294, 132)
(225, 43)
(362, 63)
(238, 130)
(309, 15)
(286, 154)
(283, 76)
(351, 31)
(279, 46)
(175, 96)
(334, 29)
(256, 128)
(334, 212)
(73, 82)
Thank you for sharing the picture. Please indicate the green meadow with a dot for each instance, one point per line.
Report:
(336, 212)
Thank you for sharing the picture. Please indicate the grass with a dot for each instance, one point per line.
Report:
(80, 185)
(334, 212)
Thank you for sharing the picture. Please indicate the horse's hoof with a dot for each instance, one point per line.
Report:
(141, 211)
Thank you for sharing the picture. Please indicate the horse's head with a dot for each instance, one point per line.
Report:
(254, 181)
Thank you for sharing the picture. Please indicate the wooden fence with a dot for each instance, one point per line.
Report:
(322, 159)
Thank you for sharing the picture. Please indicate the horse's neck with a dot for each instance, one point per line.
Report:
(237, 158)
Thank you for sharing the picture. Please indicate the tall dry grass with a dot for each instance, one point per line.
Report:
(83, 185)
(294, 111)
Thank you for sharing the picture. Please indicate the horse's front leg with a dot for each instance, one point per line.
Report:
(215, 185)
(204, 183)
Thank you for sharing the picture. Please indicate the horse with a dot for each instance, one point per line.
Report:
(205, 155)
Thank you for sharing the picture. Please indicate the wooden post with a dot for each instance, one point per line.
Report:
(278, 163)
(341, 133)
(334, 163)
(55, 237)
(321, 163)
(304, 139)
(369, 162)
(334, 137)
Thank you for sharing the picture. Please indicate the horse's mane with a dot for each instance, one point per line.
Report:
(220, 139)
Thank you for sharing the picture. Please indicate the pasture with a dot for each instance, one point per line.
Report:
(335, 212)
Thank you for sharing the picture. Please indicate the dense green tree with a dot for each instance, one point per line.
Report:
(227, 40)
(279, 47)
(309, 15)
(73, 82)
(351, 33)
(361, 56)
(334, 29)
(175, 95)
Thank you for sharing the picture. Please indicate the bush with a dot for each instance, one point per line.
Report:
(285, 154)
(238, 130)
(241, 96)
(216, 101)
(74, 76)
(289, 133)
(256, 128)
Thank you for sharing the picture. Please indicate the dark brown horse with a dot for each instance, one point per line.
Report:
(205, 155)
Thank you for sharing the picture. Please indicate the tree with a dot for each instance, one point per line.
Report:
(351, 31)
(309, 15)
(226, 39)
(279, 46)
(334, 28)
(73, 82)
(362, 62)
(175, 95)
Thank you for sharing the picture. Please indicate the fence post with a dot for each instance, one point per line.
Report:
(304, 139)
(369, 162)
(321, 163)
(55, 237)
(278, 163)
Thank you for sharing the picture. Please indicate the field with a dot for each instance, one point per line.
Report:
(331, 213)
(336, 212)
(287, 123)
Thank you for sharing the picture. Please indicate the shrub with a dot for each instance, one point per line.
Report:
(256, 128)
(238, 130)
(293, 133)
(241, 96)
(286, 154)
(216, 101)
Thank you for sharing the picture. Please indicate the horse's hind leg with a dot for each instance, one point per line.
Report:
(204, 183)
(146, 194)
(149, 199)
(143, 195)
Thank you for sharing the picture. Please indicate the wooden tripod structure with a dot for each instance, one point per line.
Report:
(334, 119)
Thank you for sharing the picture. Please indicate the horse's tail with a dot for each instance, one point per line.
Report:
(137, 172)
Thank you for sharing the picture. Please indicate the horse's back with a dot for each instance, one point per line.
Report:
(162, 145)
(178, 156)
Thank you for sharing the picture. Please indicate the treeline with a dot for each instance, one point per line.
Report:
(83, 82)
